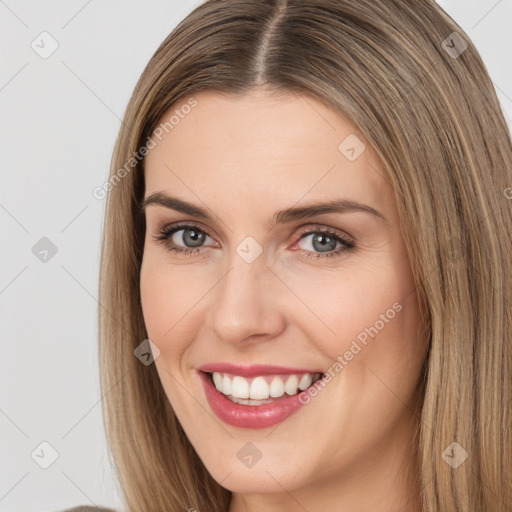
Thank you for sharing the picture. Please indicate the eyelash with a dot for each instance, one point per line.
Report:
(166, 233)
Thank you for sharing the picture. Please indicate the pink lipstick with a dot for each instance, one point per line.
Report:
(252, 416)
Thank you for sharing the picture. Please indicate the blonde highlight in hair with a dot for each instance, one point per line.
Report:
(436, 124)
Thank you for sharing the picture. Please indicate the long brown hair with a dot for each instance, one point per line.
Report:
(414, 85)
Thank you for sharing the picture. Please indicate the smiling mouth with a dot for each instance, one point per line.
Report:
(263, 389)
(260, 401)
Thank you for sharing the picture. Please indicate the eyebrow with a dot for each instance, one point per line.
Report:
(281, 217)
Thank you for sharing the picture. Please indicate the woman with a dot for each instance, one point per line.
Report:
(306, 277)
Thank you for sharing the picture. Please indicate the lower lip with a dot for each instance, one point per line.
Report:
(249, 416)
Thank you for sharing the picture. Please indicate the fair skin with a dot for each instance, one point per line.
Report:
(244, 158)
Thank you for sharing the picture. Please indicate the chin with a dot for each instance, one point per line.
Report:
(260, 482)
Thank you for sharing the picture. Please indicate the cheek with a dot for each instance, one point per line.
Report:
(162, 301)
(168, 316)
(155, 300)
(168, 294)
(173, 299)
(366, 323)
(346, 305)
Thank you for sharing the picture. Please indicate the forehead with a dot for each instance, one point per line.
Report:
(257, 146)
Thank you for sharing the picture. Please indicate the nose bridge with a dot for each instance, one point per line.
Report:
(245, 303)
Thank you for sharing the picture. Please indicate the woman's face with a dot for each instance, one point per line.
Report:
(262, 280)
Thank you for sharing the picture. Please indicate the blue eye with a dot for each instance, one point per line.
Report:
(191, 236)
(324, 242)
(188, 240)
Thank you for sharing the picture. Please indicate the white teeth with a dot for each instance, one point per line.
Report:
(244, 401)
(276, 387)
(217, 380)
(292, 384)
(305, 382)
(226, 384)
(240, 387)
(259, 389)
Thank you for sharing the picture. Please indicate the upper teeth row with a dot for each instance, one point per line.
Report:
(258, 388)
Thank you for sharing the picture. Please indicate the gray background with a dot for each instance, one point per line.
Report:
(59, 119)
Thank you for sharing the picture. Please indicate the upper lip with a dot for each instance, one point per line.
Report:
(253, 370)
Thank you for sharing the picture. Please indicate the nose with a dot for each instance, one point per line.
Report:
(247, 303)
